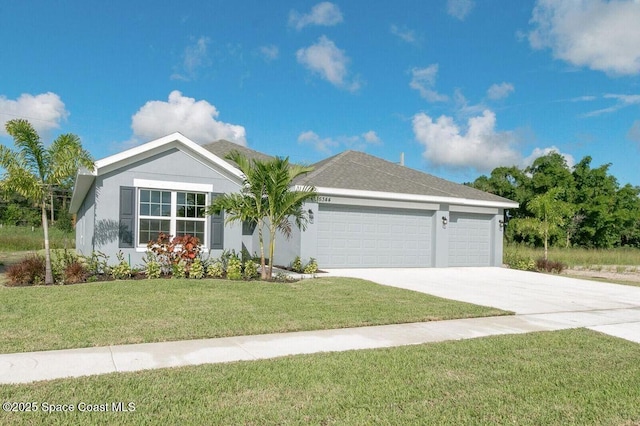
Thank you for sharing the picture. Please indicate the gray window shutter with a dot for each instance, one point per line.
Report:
(126, 226)
(217, 228)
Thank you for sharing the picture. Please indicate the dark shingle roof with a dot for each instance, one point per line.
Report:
(360, 171)
(223, 147)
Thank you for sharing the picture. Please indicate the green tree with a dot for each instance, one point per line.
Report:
(30, 171)
(548, 172)
(550, 214)
(596, 193)
(267, 199)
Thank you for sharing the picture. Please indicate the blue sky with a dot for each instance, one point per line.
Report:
(459, 86)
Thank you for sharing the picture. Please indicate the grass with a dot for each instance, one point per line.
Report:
(572, 377)
(582, 256)
(22, 238)
(122, 312)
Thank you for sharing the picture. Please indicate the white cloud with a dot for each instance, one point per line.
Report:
(269, 52)
(327, 145)
(195, 56)
(634, 132)
(459, 8)
(404, 33)
(500, 91)
(480, 147)
(601, 35)
(44, 111)
(622, 101)
(194, 119)
(424, 80)
(540, 152)
(371, 137)
(325, 13)
(327, 60)
(322, 145)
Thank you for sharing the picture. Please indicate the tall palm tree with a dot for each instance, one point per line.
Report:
(267, 198)
(32, 171)
(284, 203)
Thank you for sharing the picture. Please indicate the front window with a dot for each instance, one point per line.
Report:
(175, 213)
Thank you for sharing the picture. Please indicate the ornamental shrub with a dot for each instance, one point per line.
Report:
(312, 267)
(234, 268)
(197, 269)
(29, 271)
(250, 270)
(215, 270)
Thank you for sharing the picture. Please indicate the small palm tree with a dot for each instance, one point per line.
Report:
(33, 170)
(267, 198)
(550, 214)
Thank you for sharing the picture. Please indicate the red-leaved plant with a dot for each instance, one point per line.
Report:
(170, 251)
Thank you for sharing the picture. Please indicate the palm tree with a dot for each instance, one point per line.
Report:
(283, 203)
(550, 214)
(267, 198)
(31, 171)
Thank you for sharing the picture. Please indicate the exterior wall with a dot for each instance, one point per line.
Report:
(170, 166)
(85, 221)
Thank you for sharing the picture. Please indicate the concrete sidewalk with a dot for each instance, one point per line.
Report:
(34, 366)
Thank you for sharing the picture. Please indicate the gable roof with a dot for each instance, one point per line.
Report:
(356, 173)
(85, 178)
(223, 147)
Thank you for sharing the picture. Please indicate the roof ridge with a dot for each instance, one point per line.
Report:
(324, 164)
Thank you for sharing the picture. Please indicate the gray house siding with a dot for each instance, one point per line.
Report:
(85, 224)
(174, 169)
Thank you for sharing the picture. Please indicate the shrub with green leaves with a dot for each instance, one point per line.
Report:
(296, 265)
(179, 270)
(312, 267)
(122, 270)
(197, 269)
(234, 268)
(515, 260)
(215, 270)
(250, 270)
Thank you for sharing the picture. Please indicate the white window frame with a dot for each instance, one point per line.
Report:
(173, 188)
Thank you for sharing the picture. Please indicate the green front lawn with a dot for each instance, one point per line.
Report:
(121, 312)
(572, 377)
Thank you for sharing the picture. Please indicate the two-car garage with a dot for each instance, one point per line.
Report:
(359, 236)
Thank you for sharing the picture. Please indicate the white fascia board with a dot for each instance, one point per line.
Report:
(412, 197)
(158, 145)
(173, 186)
(80, 189)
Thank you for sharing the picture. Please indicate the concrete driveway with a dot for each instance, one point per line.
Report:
(583, 302)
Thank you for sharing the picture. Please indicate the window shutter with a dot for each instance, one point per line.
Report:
(217, 228)
(126, 226)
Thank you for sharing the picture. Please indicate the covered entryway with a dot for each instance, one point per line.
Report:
(469, 239)
(359, 237)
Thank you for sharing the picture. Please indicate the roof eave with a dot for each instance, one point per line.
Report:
(357, 193)
(84, 181)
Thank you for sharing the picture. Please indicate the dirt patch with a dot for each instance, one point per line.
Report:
(609, 272)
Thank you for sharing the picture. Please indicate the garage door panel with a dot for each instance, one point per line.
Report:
(469, 239)
(350, 236)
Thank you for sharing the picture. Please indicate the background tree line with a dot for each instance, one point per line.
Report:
(580, 206)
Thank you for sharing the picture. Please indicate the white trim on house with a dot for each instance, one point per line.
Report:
(357, 193)
(177, 186)
(159, 145)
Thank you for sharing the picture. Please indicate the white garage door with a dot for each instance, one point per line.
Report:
(358, 237)
(469, 239)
